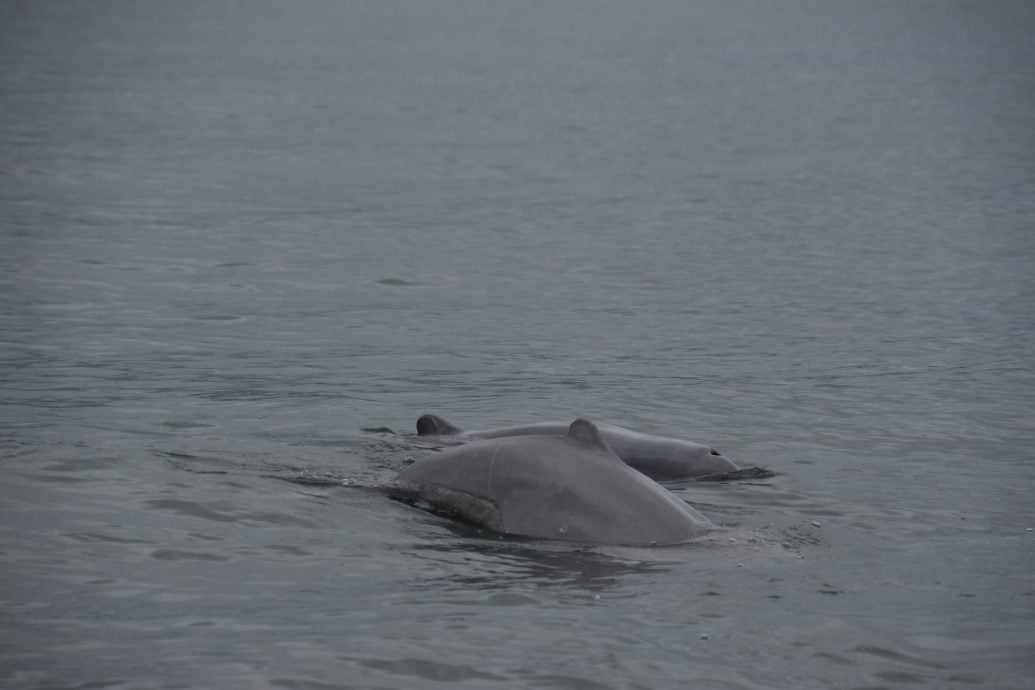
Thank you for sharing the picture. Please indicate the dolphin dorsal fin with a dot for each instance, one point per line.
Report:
(431, 424)
(587, 433)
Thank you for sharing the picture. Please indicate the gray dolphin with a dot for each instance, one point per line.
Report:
(571, 487)
(662, 459)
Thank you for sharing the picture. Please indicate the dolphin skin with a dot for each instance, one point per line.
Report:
(570, 487)
(662, 459)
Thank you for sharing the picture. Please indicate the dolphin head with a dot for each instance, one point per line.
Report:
(668, 459)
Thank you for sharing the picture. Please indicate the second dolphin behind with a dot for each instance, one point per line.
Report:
(660, 458)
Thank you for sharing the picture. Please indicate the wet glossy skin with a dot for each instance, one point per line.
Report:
(658, 457)
(570, 487)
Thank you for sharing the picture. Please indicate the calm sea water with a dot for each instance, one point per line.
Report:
(236, 238)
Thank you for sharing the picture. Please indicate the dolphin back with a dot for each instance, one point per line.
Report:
(571, 487)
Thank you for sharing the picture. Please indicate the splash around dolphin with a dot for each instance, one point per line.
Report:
(570, 487)
(662, 459)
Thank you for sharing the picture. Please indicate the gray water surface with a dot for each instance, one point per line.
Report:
(235, 237)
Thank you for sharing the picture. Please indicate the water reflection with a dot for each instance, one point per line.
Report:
(478, 563)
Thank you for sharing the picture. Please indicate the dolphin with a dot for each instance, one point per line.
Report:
(662, 459)
(570, 487)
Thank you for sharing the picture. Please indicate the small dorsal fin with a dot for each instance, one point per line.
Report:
(587, 433)
(431, 424)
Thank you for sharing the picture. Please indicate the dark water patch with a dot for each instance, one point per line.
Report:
(426, 670)
(397, 282)
(13, 449)
(91, 685)
(85, 464)
(94, 537)
(193, 470)
(217, 317)
(902, 677)
(346, 444)
(305, 684)
(897, 656)
(191, 509)
(227, 513)
(60, 479)
(287, 550)
(965, 679)
(310, 479)
(185, 424)
(178, 555)
(79, 402)
(511, 599)
(225, 459)
(194, 464)
(564, 682)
